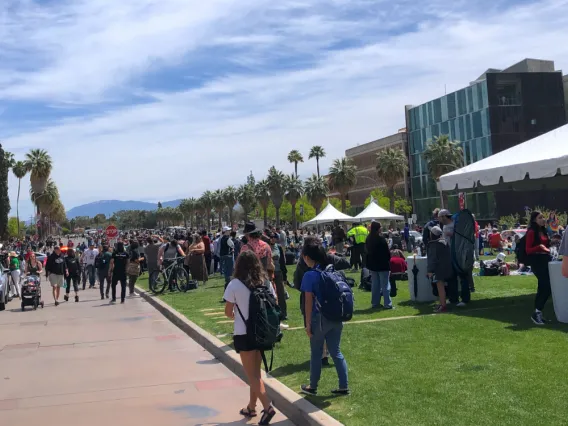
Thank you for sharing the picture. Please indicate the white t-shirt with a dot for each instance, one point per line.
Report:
(239, 294)
(90, 255)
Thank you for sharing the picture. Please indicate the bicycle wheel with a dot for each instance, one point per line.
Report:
(181, 279)
(157, 282)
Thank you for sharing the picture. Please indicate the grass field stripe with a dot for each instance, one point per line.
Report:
(210, 314)
(208, 309)
(411, 316)
(225, 322)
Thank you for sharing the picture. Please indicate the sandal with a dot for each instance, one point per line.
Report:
(247, 412)
(267, 416)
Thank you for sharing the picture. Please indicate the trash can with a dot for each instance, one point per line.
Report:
(559, 286)
(422, 292)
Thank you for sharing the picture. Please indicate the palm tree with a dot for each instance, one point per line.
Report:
(247, 198)
(277, 186)
(39, 164)
(231, 199)
(207, 203)
(294, 191)
(9, 159)
(342, 177)
(317, 152)
(46, 200)
(442, 156)
(317, 190)
(20, 171)
(262, 191)
(186, 207)
(295, 157)
(219, 205)
(392, 165)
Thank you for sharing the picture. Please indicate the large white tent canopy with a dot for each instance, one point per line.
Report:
(374, 211)
(529, 165)
(328, 215)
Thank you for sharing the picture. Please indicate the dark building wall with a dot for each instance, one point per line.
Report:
(523, 106)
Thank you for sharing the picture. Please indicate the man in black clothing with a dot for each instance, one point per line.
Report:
(226, 252)
(338, 237)
(426, 231)
(117, 270)
(55, 270)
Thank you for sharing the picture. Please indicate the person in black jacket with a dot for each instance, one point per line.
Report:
(117, 270)
(440, 268)
(55, 270)
(378, 263)
(280, 273)
(73, 274)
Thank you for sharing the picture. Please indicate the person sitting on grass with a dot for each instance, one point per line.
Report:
(439, 265)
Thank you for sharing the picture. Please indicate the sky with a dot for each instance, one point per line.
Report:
(163, 99)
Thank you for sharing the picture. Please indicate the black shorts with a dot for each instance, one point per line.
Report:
(242, 343)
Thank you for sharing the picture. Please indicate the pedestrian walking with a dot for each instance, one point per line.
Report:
(55, 269)
(72, 274)
(117, 271)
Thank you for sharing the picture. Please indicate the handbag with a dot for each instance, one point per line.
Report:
(133, 268)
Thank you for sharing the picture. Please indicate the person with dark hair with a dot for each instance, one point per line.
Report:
(117, 271)
(433, 222)
(338, 237)
(236, 243)
(73, 274)
(538, 250)
(280, 274)
(207, 254)
(319, 329)
(358, 235)
(133, 268)
(257, 245)
(248, 274)
(102, 263)
(378, 263)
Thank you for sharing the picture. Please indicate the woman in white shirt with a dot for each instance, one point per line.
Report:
(248, 273)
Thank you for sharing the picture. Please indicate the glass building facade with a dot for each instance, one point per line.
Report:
(464, 116)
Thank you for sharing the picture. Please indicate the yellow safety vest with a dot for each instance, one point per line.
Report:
(359, 233)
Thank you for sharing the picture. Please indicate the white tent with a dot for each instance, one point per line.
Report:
(529, 165)
(328, 215)
(374, 211)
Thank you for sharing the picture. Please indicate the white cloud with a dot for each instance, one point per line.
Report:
(295, 94)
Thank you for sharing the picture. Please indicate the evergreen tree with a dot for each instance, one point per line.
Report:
(4, 198)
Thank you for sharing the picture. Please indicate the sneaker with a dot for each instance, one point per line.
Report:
(389, 307)
(56, 303)
(439, 309)
(287, 296)
(112, 301)
(66, 298)
(106, 295)
(284, 326)
(305, 389)
(121, 301)
(102, 298)
(461, 305)
(341, 391)
(76, 298)
(537, 318)
(325, 361)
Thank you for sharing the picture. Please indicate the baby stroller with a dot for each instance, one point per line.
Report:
(31, 292)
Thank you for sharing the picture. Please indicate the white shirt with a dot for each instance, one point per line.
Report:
(89, 256)
(239, 294)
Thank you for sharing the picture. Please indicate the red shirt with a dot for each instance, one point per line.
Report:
(533, 247)
(207, 243)
(398, 265)
(495, 240)
(476, 229)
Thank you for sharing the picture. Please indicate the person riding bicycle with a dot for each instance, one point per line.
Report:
(168, 254)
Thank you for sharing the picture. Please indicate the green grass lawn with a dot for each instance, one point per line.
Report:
(484, 365)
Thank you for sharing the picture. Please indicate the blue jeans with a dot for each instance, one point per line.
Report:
(227, 263)
(327, 331)
(91, 274)
(380, 286)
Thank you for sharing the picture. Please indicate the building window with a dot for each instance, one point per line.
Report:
(451, 98)
(508, 90)
(477, 127)
(437, 105)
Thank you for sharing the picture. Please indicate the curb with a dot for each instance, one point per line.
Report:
(298, 410)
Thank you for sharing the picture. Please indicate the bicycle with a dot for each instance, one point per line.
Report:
(174, 274)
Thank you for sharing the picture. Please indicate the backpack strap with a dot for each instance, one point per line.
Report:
(263, 356)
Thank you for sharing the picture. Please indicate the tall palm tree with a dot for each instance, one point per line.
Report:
(342, 177)
(442, 156)
(294, 191)
(277, 185)
(199, 212)
(392, 165)
(186, 209)
(46, 200)
(317, 190)
(219, 205)
(317, 152)
(207, 203)
(20, 171)
(9, 160)
(247, 198)
(262, 191)
(231, 199)
(39, 164)
(295, 157)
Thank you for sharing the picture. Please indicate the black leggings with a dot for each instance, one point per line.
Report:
(103, 276)
(123, 284)
(539, 267)
(75, 280)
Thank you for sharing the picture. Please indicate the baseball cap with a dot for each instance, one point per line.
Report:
(436, 230)
(444, 212)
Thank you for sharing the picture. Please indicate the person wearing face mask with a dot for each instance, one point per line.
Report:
(538, 250)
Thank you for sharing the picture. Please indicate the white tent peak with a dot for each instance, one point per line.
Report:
(329, 214)
(374, 211)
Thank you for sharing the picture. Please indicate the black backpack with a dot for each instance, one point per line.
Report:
(521, 251)
(263, 324)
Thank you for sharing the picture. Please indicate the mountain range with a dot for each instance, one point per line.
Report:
(109, 207)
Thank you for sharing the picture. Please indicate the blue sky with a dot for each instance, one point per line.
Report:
(163, 99)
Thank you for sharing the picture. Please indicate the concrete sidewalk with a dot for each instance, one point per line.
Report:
(91, 363)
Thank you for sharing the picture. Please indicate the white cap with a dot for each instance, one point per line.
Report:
(226, 228)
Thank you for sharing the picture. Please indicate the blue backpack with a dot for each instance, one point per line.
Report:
(337, 299)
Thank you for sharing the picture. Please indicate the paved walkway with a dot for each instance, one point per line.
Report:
(91, 363)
